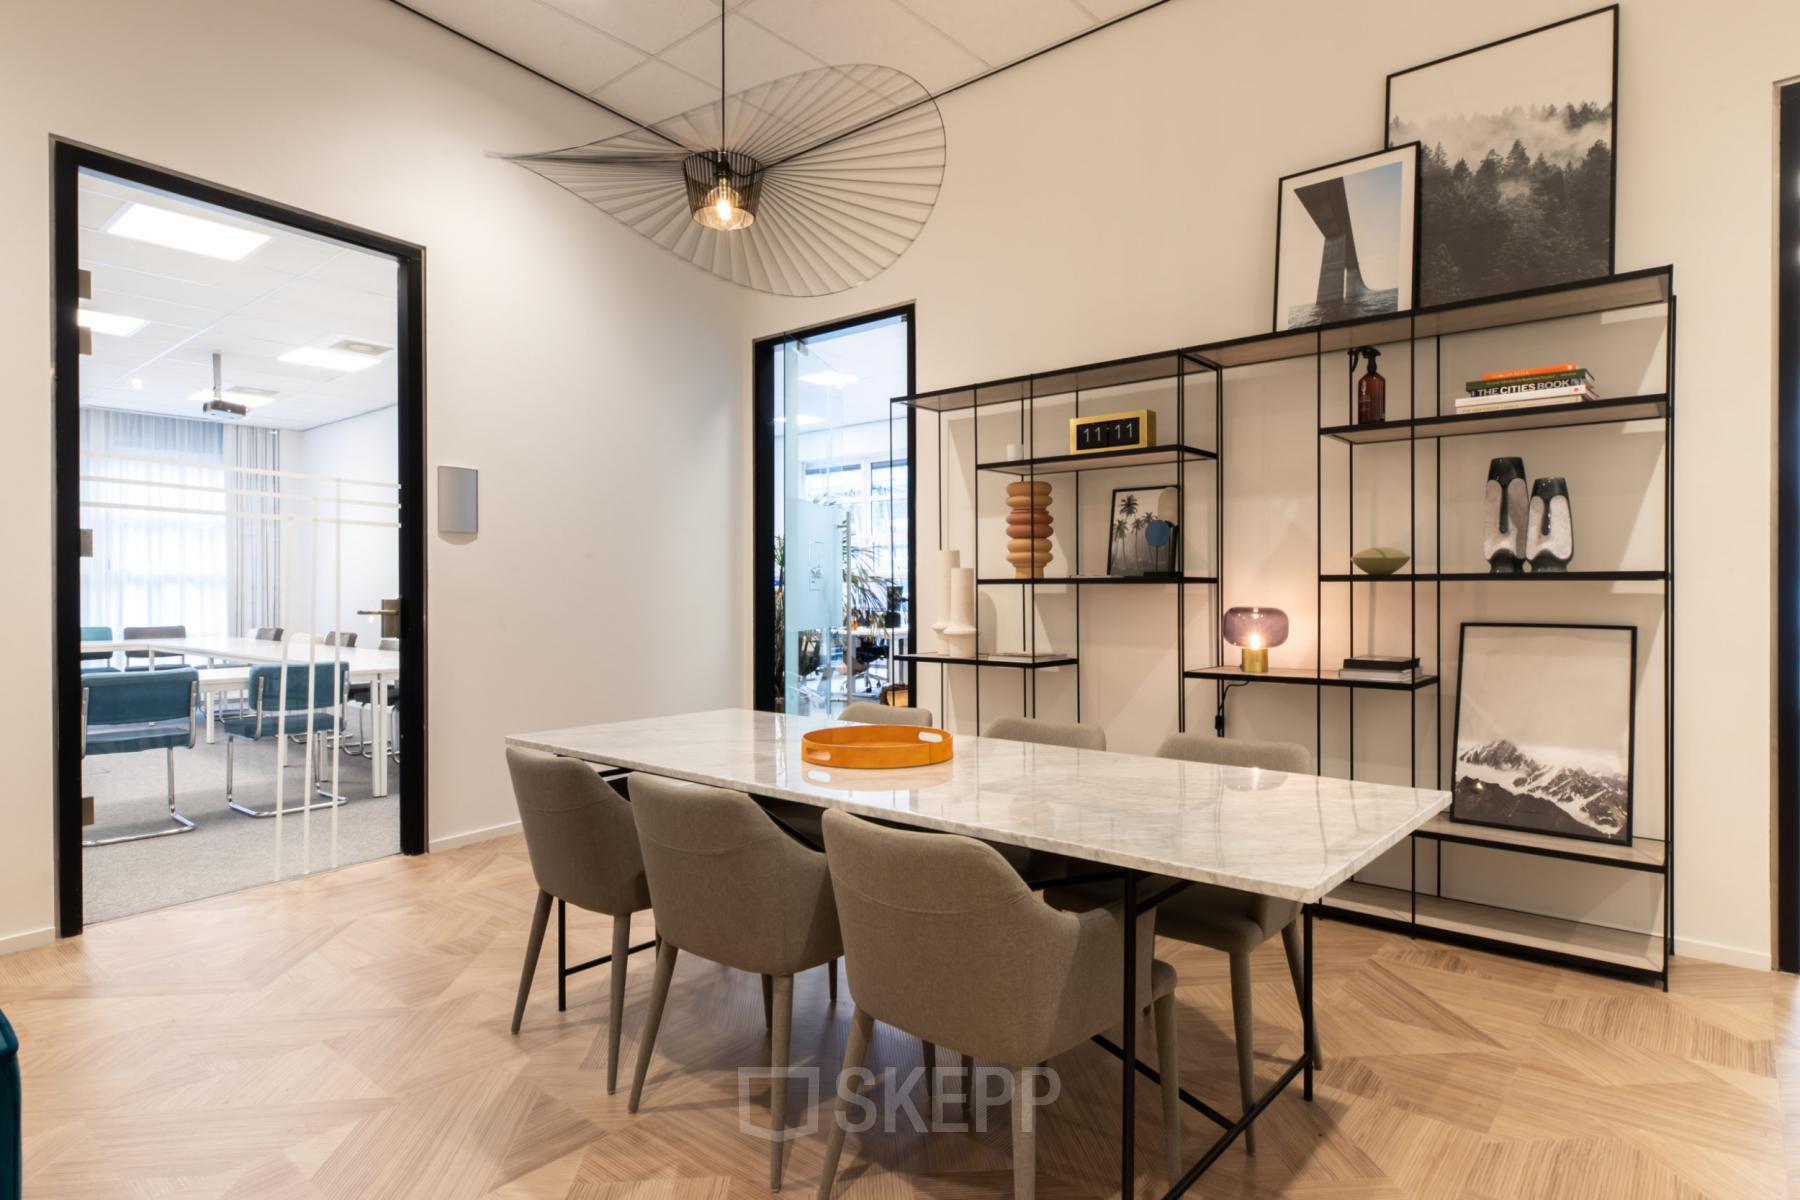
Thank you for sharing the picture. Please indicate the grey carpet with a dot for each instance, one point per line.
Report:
(228, 851)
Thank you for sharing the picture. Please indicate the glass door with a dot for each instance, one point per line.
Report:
(834, 463)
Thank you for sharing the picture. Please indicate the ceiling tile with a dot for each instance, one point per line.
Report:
(651, 26)
(882, 33)
(655, 90)
(753, 55)
(999, 33)
(548, 39)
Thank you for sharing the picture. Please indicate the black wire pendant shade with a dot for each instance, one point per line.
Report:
(832, 173)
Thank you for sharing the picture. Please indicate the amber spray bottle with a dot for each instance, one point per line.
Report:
(1371, 390)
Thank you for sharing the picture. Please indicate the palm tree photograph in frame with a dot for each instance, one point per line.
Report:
(1544, 729)
(1516, 161)
(1142, 534)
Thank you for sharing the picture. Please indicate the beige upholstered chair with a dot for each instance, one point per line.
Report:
(731, 887)
(884, 714)
(1232, 921)
(944, 941)
(1047, 733)
(584, 851)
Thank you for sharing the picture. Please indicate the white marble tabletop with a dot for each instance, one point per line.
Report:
(1295, 837)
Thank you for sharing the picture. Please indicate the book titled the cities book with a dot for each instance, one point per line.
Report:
(1561, 383)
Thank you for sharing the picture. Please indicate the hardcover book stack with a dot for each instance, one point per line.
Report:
(1534, 387)
(1380, 668)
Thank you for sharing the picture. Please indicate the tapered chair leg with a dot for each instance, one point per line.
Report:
(540, 918)
(930, 1057)
(968, 1066)
(849, 1082)
(621, 955)
(768, 987)
(659, 994)
(1245, 1029)
(1168, 1065)
(1290, 941)
(1024, 1136)
(778, 1063)
(831, 979)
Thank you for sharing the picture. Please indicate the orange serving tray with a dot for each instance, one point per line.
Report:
(876, 747)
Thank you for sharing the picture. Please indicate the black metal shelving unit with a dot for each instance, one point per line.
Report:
(1023, 395)
(1411, 910)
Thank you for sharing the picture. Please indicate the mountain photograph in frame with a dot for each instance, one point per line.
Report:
(1517, 161)
(1545, 726)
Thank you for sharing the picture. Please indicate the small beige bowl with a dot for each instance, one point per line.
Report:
(1380, 560)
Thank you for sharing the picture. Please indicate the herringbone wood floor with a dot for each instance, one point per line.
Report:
(346, 1036)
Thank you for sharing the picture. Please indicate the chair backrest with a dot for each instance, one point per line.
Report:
(96, 633)
(389, 644)
(1047, 733)
(264, 686)
(944, 940)
(884, 714)
(269, 633)
(728, 883)
(140, 697)
(1237, 752)
(334, 638)
(138, 633)
(579, 832)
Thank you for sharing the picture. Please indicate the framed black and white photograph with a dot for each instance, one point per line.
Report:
(1517, 168)
(1545, 729)
(1345, 240)
(1144, 535)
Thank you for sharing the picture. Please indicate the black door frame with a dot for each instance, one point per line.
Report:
(1787, 528)
(762, 418)
(68, 160)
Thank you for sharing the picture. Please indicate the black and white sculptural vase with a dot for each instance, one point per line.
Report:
(1503, 539)
(1550, 526)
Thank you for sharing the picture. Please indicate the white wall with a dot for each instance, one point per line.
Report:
(365, 447)
(1159, 143)
(573, 363)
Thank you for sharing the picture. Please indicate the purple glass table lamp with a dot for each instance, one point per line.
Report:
(1255, 630)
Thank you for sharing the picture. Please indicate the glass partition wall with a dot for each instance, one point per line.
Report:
(833, 515)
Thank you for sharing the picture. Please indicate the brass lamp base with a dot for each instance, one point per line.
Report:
(1256, 662)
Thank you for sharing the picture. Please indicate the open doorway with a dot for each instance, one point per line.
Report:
(239, 572)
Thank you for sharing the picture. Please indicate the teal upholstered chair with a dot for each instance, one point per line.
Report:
(96, 660)
(12, 1141)
(311, 703)
(124, 712)
(154, 660)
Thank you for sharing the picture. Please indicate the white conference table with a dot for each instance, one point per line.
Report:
(377, 668)
(1293, 837)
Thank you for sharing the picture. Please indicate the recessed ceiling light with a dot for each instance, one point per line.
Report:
(829, 378)
(249, 397)
(105, 322)
(178, 231)
(330, 360)
(137, 385)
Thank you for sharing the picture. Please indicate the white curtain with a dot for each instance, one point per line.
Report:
(178, 566)
(255, 567)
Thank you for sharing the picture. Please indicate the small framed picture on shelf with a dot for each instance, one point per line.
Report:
(1144, 534)
(1546, 729)
(1346, 239)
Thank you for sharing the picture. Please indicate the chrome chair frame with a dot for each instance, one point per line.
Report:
(314, 762)
(182, 823)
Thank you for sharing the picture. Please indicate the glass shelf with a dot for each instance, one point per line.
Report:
(1554, 416)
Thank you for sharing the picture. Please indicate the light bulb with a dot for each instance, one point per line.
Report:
(723, 209)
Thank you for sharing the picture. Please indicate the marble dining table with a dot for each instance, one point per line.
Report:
(1155, 820)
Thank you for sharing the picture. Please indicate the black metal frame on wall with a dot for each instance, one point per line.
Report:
(68, 160)
(762, 419)
(1787, 524)
(1643, 957)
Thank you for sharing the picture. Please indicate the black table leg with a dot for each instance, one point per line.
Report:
(562, 957)
(1306, 996)
(1128, 1063)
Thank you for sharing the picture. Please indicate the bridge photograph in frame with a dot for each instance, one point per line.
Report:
(1346, 239)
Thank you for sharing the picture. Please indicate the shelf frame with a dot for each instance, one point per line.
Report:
(1303, 678)
(1555, 416)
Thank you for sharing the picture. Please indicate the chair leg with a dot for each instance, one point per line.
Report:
(849, 1080)
(1290, 941)
(1168, 1065)
(1245, 1029)
(968, 1067)
(621, 955)
(831, 979)
(768, 989)
(1024, 1137)
(659, 994)
(930, 1055)
(778, 1062)
(562, 956)
(540, 917)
